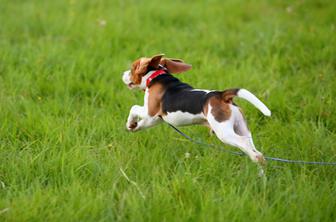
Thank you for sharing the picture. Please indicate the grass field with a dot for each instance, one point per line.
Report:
(65, 154)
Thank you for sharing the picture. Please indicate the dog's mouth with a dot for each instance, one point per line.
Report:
(130, 85)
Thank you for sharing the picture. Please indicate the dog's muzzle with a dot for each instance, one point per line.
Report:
(127, 79)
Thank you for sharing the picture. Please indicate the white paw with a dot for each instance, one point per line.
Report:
(131, 126)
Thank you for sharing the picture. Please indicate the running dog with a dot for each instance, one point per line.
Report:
(170, 100)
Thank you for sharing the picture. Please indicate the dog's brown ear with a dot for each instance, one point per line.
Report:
(155, 61)
(175, 65)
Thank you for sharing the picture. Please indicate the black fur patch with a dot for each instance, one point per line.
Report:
(181, 97)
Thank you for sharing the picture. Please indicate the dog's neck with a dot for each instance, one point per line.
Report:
(155, 74)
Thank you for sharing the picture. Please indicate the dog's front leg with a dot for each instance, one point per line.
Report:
(138, 119)
(146, 123)
(136, 113)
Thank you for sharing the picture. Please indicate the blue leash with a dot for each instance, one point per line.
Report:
(242, 154)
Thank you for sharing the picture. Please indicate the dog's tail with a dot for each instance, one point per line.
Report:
(245, 94)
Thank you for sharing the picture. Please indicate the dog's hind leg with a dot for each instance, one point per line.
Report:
(240, 128)
(225, 131)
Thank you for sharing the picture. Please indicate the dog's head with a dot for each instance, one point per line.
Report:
(141, 69)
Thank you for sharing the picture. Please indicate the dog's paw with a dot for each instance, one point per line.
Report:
(131, 126)
(259, 159)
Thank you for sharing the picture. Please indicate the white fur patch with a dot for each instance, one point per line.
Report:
(245, 94)
(203, 90)
(180, 118)
(127, 77)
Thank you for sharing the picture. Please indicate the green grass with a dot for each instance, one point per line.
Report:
(63, 107)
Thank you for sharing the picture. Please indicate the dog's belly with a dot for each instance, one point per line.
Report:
(180, 118)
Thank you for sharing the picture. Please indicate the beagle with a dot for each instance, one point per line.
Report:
(170, 100)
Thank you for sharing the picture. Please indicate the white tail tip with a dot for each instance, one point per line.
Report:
(245, 94)
(267, 112)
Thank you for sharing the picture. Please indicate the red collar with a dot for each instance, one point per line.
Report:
(154, 75)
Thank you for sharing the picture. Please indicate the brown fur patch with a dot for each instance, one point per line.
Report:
(139, 69)
(220, 109)
(155, 93)
(175, 65)
(229, 94)
(140, 66)
(205, 108)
